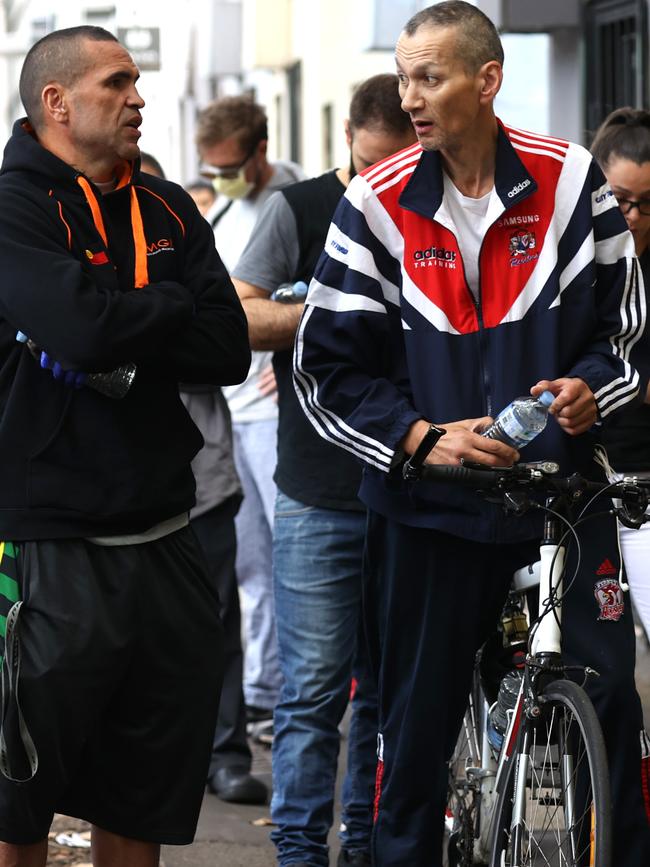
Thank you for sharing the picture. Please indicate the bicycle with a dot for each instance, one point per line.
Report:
(543, 798)
(473, 765)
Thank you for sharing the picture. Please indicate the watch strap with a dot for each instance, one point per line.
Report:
(427, 443)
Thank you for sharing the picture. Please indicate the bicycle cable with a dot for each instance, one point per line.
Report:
(554, 601)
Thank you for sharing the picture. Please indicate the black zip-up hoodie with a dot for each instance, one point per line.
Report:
(98, 281)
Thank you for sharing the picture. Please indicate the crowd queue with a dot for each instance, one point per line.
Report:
(188, 459)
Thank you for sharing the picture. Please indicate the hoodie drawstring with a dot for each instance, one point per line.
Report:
(141, 276)
(141, 271)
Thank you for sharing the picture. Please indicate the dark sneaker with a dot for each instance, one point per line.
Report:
(237, 786)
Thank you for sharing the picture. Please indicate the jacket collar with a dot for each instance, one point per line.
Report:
(424, 191)
(24, 152)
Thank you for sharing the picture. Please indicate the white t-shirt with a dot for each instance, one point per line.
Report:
(231, 234)
(472, 218)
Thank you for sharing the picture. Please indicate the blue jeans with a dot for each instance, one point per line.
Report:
(317, 555)
(255, 459)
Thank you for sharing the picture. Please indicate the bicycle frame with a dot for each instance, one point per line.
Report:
(547, 574)
(546, 648)
(546, 644)
(550, 709)
(545, 657)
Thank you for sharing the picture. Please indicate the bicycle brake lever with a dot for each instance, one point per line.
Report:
(548, 468)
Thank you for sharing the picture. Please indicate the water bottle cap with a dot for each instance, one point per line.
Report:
(546, 398)
(300, 288)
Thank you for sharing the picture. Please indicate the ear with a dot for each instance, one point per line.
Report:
(490, 78)
(54, 102)
(262, 147)
(348, 132)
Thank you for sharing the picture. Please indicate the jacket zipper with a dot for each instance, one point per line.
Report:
(487, 403)
(485, 375)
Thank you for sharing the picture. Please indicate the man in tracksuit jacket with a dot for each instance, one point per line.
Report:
(482, 264)
(113, 641)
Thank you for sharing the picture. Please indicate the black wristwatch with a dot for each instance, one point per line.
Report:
(412, 467)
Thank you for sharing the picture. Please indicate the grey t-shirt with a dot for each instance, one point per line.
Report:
(285, 246)
(276, 238)
(214, 467)
(231, 234)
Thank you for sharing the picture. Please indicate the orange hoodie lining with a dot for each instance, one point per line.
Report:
(125, 176)
(65, 223)
(63, 220)
(160, 199)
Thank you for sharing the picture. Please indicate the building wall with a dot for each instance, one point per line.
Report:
(165, 122)
(213, 47)
(326, 39)
(333, 42)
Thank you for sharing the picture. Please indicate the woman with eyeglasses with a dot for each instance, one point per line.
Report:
(622, 148)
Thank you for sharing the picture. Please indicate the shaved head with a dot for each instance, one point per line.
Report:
(478, 39)
(60, 56)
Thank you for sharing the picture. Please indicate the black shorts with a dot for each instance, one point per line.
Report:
(121, 666)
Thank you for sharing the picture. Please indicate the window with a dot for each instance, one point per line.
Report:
(103, 16)
(294, 77)
(616, 57)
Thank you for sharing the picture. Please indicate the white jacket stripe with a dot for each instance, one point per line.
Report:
(572, 177)
(327, 423)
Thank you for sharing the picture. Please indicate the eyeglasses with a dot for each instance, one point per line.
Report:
(643, 205)
(206, 170)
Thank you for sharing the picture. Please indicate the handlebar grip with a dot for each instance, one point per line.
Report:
(483, 479)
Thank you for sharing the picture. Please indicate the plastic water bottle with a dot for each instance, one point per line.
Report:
(290, 293)
(501, 710)
(521, 420)
(113, 384)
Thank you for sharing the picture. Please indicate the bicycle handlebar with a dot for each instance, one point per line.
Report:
(540, 477)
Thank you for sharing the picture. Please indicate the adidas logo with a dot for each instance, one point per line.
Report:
(607, 568)
(518, 188)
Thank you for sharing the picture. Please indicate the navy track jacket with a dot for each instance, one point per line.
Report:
(391, 332)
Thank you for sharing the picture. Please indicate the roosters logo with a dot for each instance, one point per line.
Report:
(521, 246)
(609, 596)
(521, 243)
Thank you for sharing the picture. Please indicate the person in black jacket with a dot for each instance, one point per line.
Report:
(621, 147)
(113, 640)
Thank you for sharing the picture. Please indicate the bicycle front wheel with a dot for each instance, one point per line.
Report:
(554, 805)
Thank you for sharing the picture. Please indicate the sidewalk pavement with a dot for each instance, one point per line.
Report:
(232, 835)
(228, 835)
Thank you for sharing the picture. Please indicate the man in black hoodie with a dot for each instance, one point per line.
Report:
(113, 641)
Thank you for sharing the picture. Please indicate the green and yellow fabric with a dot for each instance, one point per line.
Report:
(9, 589)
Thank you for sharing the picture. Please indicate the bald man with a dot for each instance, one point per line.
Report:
(113, 637)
